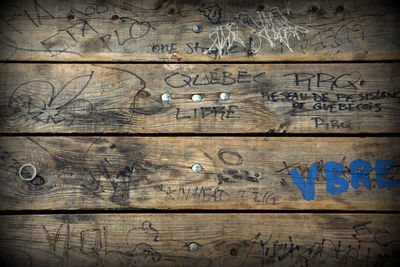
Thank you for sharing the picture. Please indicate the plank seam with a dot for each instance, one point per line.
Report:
(360, 135)
(193, 211)
(201, 62)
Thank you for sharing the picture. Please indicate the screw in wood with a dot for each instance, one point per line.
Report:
(196, 168)
(224, 96)
(193, 246)
(196, 98)
(197, 28)
(166, 97)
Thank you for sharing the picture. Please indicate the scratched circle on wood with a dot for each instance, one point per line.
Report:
(230, 157)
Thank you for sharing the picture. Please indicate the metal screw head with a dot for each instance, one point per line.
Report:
(166, 97)
(196, 168)
(193, 246)
(224, 96)
(196, 98)
(197, 28)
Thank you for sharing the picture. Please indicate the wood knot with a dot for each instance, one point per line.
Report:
(250, 53)
(38, 181)
(171, 11)
(340, 9)
(313, 9)
(260, 8)
(8, 111)
(175, 58)
(233, 252)
(70, 17)
(115, 17)
(113, 146)
(143, 94)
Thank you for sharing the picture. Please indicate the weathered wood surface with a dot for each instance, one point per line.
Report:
(293, 98)
(237, 173)
(222, 239)
(231, 30)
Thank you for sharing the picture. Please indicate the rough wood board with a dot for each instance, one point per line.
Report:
(223, 239)
(293, 98)
(237, 173)
(231, 30)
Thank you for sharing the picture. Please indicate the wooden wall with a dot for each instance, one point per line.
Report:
(299, 164)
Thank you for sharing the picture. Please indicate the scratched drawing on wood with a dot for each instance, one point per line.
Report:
(201, 240)
(198, 30)
(245, 173)
(83, 98)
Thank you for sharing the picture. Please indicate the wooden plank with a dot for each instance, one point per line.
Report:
(156, 30)
(222, 239)
(237, 173)
(293, 98)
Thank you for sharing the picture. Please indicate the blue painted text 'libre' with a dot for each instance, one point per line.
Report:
(336, 183)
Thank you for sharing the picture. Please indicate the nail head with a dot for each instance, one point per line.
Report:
(193, 246)
(224, 96)
(196, 168)
(197, 28)
(196, 98)
(166, 97)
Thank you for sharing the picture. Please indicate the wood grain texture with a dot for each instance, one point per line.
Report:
(237, 173)
(126, 98)
(223, 240)
(155, 30)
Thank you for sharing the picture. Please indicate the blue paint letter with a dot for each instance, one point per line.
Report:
(382, 172)
(334, 183)
(307, 188)
(360, 169)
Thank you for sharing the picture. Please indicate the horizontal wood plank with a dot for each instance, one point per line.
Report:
(293, 98)
(117, 30)
(200, 240)
(236, 173)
